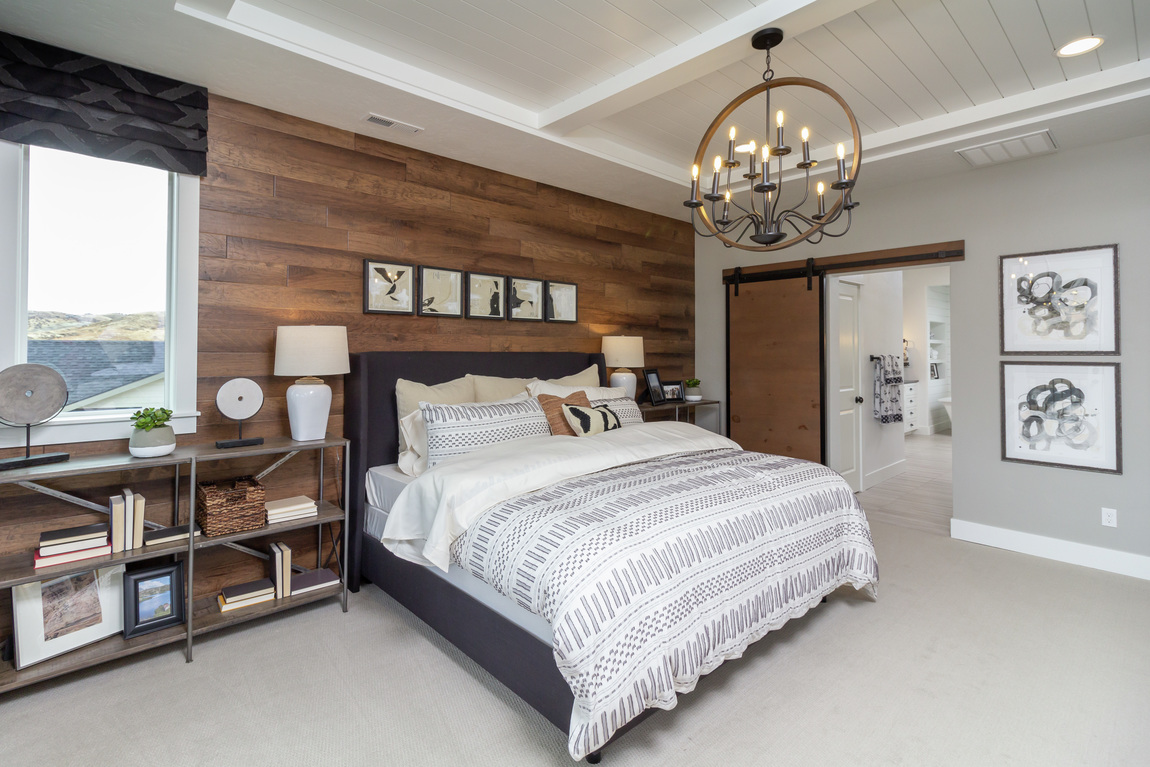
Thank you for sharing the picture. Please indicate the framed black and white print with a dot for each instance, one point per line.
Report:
(440, 292)
(153, 599)
(654, 386)
(486, 296)
(1059, 302)
(1066, 414)
(562, 302)
(525, 299)
(388, 288)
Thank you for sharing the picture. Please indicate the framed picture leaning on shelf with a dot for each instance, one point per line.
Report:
(1059, 302)
(153, 599)
(673, 391)
(61, 614)
(654, 386)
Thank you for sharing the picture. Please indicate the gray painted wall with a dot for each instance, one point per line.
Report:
(1082, 197)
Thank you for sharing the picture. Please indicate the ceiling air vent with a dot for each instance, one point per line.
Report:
(1007, 149)
(387, 122)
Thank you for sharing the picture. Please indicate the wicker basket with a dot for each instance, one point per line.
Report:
(230, 506)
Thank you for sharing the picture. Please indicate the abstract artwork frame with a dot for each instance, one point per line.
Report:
(440, 292)
(89, 606)
(525, 299)
(486, 296)
(1059, 302)
(1066, 414)
(388, 288)
(562, 301)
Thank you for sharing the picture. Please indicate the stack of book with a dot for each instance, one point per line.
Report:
(301, 583)
(127, 515)
(246, 595)
(281, 569)
(169, 534)
(287, 509)
(59, 547)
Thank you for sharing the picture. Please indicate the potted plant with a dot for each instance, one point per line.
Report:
(152, 436)
(693, 393)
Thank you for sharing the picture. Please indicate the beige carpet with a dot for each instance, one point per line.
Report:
(971, 656)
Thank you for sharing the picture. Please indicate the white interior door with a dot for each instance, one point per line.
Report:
(844, 437)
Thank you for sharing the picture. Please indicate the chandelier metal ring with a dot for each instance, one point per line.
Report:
(743, 98)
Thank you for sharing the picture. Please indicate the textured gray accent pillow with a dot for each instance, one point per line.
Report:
(624, 407)
(460, 429)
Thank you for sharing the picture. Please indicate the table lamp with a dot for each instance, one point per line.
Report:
(309, 351)
(621, 353)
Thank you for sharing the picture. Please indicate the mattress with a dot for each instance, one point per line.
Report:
(384, 484)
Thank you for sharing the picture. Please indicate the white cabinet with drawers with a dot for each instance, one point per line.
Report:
(911, 418)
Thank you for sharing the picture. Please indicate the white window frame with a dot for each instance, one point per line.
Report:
(181, 333)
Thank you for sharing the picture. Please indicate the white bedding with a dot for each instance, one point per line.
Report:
(384, 484)
(441, 504)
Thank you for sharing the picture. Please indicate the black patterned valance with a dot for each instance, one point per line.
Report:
(55, 98)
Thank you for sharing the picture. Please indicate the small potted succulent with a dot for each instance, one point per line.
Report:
(693, 393)
(152, 436)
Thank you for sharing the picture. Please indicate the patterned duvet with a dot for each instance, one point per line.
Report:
(655, 572)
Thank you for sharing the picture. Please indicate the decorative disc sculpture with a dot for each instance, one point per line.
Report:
(240, 399)
(29, 396)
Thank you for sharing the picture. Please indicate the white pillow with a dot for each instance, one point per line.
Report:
(588, 377)
(408, 395)
(494, 388)
(413, 460)
(454, 430)
(558, 390)
(625, 408)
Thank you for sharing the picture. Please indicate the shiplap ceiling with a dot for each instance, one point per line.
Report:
(610, 97)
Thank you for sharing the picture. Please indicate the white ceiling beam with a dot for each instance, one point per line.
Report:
(709, 51)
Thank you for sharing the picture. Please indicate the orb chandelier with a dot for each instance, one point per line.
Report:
(766, 220)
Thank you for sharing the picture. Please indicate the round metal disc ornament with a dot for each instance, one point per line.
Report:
(31, 394)
(240, 398)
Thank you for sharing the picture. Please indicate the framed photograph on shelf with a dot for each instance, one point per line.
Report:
(153, 599)
(1059, 302)
(440, 292)
(1066, 414)
(388, 288)
(61, 614)
(934, 371)
(486, 296)
(654, 386)
(673, 391)
(525, 299)
(562, 302)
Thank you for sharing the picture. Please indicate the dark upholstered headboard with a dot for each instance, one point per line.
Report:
(370, 419)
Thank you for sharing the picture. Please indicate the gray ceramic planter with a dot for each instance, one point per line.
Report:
(150, 444)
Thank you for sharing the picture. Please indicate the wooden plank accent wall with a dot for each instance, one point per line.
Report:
(289, 210)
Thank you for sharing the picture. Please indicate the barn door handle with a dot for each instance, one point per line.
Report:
(859, 400)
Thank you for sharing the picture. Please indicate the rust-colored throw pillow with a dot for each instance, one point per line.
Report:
(553, 408)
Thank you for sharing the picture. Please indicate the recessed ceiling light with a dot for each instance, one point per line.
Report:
(1080, 46)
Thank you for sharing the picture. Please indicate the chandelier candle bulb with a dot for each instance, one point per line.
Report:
(714, 193)
(693, 201)
(751, 170)
(841, 150)
(779, 124)
(726, 219)
(731, 148)
(806, 145)
(822, 201)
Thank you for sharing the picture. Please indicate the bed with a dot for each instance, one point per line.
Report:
(496, 629)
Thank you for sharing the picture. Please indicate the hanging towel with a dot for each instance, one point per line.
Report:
(888, 389)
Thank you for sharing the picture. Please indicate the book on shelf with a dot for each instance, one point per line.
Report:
(129, 518)
(281, 568)
(243, 591)
(39, 561)
(301, 583)
(116, 515)
(168, 534)
(229, 606)
(138, 521)
(70, 534)
(292, 516)
(289, 505)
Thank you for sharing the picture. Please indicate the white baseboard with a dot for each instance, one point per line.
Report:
(885, 473)
(1121, 562)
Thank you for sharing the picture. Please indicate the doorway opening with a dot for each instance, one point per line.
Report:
(900, 469)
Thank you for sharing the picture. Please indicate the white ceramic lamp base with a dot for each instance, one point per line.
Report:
(625, 378)
(309, 402)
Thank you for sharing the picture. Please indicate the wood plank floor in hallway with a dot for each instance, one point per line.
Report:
(922, 496)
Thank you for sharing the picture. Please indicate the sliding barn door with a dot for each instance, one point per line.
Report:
(774, 359)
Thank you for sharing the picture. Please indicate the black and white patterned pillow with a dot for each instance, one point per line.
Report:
(460, 429)
(589, 421)
(624, 407)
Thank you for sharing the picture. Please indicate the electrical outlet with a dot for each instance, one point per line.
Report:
(1109, 517)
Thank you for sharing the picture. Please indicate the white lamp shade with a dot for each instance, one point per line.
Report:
(623, 351)
(311, 350)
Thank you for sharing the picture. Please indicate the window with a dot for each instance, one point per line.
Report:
(101, 275)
